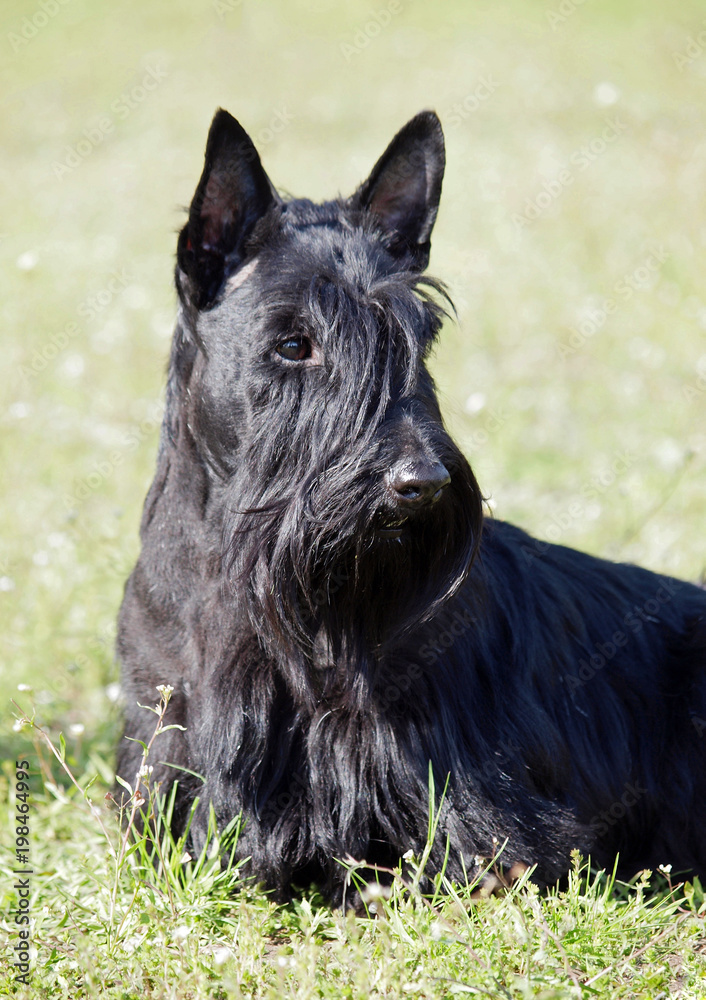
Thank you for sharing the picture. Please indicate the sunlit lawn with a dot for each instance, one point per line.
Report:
(572, 235)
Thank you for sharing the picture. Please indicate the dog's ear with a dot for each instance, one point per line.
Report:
(233, 193)
(404, 187)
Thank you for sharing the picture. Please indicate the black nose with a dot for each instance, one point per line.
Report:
(417, 482)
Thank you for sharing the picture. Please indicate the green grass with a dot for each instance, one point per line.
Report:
(127, 915)
(522, 93)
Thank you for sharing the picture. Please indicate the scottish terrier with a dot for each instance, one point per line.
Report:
(335, 610)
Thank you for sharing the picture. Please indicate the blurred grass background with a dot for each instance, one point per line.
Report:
(106, 107)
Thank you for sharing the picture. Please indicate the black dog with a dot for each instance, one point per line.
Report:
(319, 584)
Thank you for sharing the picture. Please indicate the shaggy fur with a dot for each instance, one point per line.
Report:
(335, 612)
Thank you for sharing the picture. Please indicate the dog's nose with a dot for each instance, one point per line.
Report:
(418, 482)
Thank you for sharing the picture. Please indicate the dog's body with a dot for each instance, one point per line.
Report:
(320, 586)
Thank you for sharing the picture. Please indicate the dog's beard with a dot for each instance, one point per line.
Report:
(329, 571)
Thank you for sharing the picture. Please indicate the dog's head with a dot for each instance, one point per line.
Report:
(300, 360)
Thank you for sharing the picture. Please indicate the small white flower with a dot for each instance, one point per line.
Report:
(24, 687)
(7, 583)
(222, 955)
(77, 728)
(606, 94)
(408, 855)
(181, 932)
(18, 725)
(374, 891)
(165, 688)
(475, 402)
(28, 260)
(436, 931)
(74, 365)
(112, 692)
(665, 869)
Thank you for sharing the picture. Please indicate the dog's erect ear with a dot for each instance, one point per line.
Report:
(404, 187)
(233, 193)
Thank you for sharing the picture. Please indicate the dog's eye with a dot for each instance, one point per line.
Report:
(294, 349)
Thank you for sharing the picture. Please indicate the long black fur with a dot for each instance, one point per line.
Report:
(326, 639)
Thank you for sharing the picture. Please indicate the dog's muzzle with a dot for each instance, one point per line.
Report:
(415, 484)
(411, 485)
